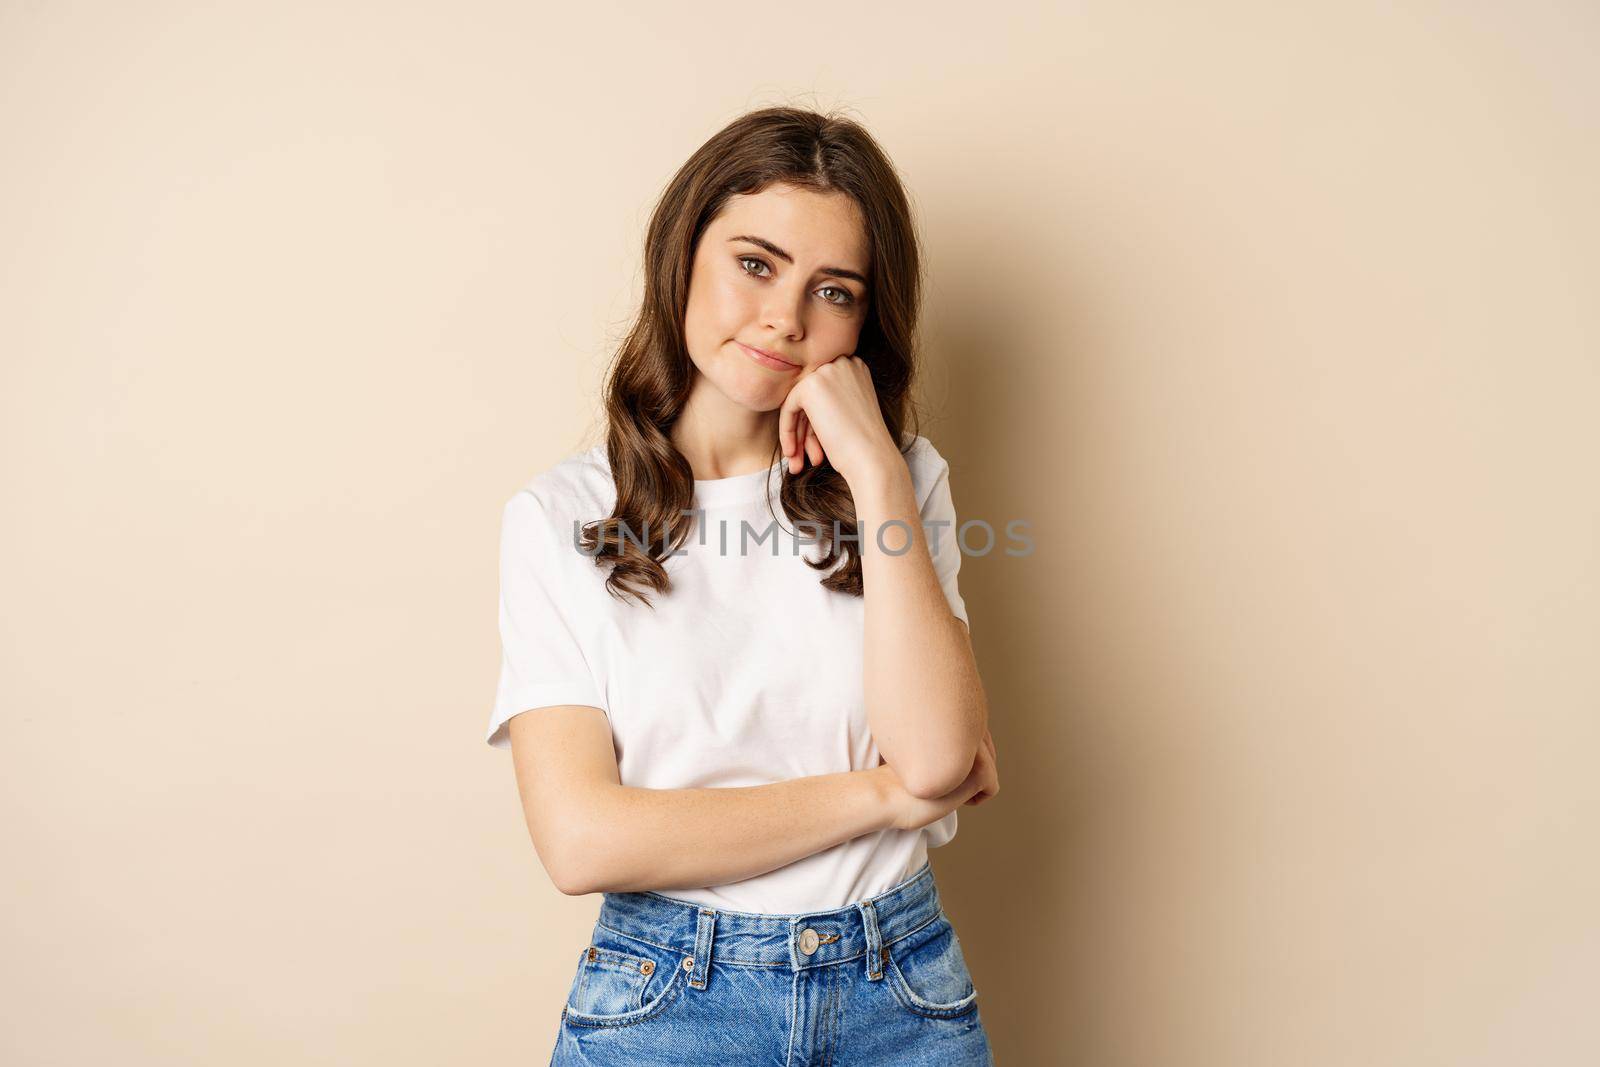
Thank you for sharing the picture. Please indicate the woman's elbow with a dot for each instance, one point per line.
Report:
(571, 888)
(932, 785)
(574, 873)
(569, 856)
(929, 782)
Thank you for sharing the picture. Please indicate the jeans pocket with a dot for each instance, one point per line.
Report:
(621, 981)
(928, 972)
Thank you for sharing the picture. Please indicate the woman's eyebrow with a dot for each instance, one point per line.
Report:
(836, 272)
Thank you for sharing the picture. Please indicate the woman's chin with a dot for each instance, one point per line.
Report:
(758, 391)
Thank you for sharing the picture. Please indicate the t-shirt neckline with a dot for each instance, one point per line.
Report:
(739, 489)
(722, 492)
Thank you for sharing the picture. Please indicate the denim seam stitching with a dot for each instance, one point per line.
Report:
(636, 937)
(765, 963)
(926, 1009)
(668, 997)
(908, 998)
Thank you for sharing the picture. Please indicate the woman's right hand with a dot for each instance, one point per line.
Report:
(911, 812)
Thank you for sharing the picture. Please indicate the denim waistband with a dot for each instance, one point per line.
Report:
(800, 940)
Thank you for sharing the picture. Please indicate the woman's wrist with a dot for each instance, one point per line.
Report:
(883, 782)
(882, 480)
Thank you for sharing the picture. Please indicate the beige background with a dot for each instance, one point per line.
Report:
(1278, 325)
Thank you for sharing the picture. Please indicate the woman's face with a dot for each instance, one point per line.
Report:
(783, 270)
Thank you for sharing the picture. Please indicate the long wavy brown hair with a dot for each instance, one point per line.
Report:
(649, 379)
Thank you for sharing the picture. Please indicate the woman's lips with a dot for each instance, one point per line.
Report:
(766, 360)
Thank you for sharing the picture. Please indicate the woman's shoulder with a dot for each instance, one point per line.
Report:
(575, 486)
(927, 464)
(919, 448)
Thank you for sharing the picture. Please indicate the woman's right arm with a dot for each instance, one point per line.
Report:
(595, 835)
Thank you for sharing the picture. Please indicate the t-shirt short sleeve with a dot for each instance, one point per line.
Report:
(542, 662)
(940, 527)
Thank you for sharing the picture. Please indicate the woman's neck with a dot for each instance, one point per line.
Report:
(720, 439)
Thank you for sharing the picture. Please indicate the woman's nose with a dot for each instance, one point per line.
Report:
(782, 313)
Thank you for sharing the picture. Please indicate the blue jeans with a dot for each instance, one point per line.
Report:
(667, 981)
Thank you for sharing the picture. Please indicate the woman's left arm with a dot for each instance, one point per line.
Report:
(925, 702)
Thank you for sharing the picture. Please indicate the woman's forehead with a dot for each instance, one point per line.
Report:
(807, 225)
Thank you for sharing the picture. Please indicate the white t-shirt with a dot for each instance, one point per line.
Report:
(747, 672)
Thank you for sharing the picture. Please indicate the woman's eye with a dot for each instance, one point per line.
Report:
(843, 299)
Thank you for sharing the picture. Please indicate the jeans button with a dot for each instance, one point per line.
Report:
(808, 941)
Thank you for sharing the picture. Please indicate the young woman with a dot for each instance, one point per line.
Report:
(737, 682)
